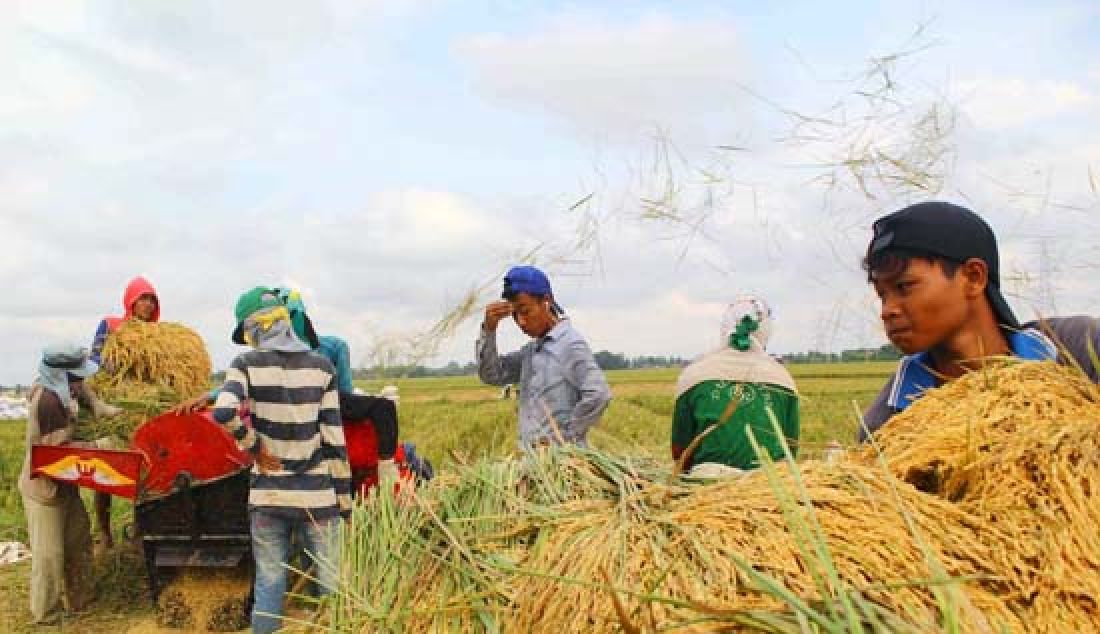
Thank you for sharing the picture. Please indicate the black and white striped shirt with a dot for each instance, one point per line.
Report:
(296, 416)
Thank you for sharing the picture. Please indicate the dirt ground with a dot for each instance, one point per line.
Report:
(121, 599)
(122, 604)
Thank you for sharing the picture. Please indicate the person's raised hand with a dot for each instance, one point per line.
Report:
(496, 311)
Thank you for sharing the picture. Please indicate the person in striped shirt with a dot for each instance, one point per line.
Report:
(301, 480)
(374, 464)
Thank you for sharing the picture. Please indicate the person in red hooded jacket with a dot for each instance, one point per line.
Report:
(140, 302)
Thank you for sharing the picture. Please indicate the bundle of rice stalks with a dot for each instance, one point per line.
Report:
(147, 368)
(574, 540)
(163, 354)
(1019, 445)
(704, 547)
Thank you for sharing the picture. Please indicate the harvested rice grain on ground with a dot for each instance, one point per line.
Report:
(206, 599)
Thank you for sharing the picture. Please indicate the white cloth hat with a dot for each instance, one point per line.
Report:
(748, 306)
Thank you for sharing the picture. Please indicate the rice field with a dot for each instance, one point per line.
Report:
(447, 417)
(459, 413)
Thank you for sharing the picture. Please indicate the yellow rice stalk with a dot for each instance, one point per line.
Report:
(164, 354)
(539, 565)
(1017, 444)
(687, 549)
(147, 368)
(998, 532)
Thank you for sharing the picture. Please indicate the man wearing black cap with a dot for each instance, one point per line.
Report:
(935, 267)
(562, 392)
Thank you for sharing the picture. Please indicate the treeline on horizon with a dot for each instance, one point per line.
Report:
(606, 360)
(617, 361)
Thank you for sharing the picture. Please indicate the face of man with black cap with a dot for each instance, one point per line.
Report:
(922, 305)
(935, 268)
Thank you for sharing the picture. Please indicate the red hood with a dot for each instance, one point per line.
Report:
(135, 289)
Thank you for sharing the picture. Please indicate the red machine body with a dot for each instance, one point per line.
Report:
(193, 443)
(160, 450)
(189, 482)
(164, 447)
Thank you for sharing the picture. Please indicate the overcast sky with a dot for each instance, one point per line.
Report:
(386, 157)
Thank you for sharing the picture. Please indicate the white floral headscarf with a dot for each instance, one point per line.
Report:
(754, 308)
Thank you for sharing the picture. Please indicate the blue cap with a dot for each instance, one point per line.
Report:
(526, 279)
(530, 280)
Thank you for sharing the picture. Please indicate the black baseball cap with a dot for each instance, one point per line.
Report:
(945, 230)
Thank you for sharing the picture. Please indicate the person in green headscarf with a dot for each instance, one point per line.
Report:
(354, 406)
(732, 389)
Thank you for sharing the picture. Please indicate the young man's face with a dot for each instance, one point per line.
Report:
(145, 307)
(921, 306)
(532, 314)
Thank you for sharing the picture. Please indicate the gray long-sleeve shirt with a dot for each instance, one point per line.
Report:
(555, 373)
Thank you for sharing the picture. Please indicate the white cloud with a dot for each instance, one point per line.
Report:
(615, 79)
(997, 103)
(392, 266)
(429, 221)
(169, 140)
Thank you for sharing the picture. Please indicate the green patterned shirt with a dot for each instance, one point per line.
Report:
(703, 405)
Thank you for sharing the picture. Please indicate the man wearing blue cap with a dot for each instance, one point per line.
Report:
(936, 270)
(562, 391)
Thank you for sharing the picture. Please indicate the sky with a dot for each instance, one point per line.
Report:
(656, 158)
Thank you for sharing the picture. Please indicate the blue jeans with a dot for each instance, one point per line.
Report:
(271, 546)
